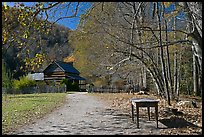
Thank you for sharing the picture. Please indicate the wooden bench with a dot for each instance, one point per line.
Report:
(144, 102)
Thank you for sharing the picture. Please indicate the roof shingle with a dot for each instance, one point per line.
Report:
(67, 67)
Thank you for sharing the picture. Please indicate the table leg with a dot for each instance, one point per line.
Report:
(148, 113)
(156, 114)
(132, 112)
(137, 109)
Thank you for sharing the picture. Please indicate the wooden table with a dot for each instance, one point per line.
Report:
(144, 102)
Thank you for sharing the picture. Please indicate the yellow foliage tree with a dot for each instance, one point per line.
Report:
(69, 59)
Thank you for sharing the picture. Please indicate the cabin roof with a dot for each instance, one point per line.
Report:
(76, 78)
(36, 76)
(66, 67)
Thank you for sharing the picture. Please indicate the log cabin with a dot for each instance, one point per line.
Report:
(58, 71)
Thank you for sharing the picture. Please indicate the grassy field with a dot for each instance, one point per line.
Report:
(23, 109)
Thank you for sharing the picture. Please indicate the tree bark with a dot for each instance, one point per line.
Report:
(195, 15)
(144, 77)
(175, 73)
(195, 76)
(178, 77)
(162, 57)
(168, 65)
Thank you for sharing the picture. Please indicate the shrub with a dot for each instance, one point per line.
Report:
(71, 86)
(6, 77)
(23, 83)
(75, 86)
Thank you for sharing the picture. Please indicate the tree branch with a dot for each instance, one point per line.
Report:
(71, 16)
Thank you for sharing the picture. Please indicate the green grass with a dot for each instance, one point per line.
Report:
(22, 109)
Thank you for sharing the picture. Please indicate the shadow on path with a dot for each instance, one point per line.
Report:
(176, 122)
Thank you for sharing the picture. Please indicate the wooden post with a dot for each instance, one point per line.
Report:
(132, 112)
(148, 113)
(156, 114)
(137, 109)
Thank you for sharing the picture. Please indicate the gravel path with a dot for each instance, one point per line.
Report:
(87, 115)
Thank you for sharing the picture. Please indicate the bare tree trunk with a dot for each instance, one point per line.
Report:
(200, 85)
(144, 77)
(143, 69)
(195, 76)
(169, 66)
(175, 64)
(157, 56)
(162, 58)
(141, 75)
(156, 83)
(175, 73)
(178, 77)
(195, 15)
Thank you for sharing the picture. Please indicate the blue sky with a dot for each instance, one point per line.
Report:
(69, 22)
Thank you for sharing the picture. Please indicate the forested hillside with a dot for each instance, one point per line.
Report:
(31, 50)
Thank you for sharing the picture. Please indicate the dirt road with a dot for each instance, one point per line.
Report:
(83, 114)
